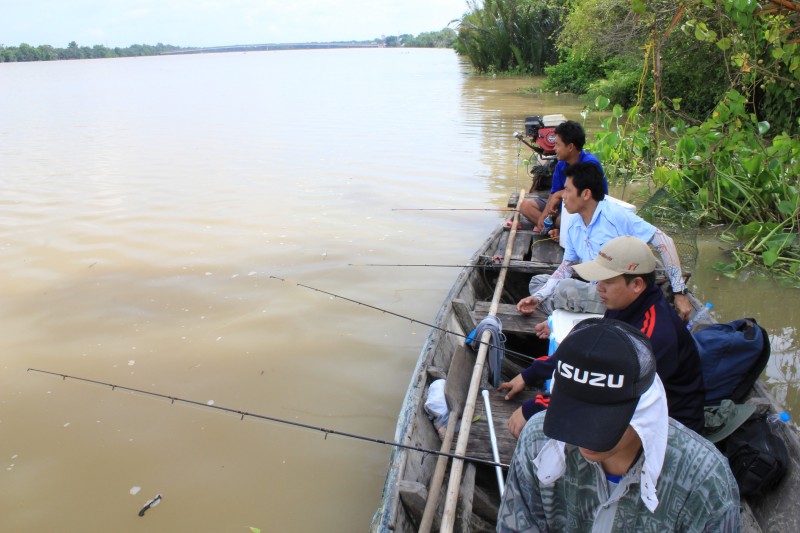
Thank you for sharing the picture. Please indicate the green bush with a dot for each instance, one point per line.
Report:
(619, 86)
(573, 75)
(695, 72)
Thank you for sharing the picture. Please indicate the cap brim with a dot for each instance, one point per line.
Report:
(592, 271)
(741, 413)
(596, 427)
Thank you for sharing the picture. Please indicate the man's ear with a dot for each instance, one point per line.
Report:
(639, 285)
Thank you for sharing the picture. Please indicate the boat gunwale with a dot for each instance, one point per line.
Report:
(384, 517)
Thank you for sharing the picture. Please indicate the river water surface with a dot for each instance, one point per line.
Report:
(146, 204)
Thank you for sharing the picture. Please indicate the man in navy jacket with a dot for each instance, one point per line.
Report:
(625, 271)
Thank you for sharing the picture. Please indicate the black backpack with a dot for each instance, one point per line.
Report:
(757, 455)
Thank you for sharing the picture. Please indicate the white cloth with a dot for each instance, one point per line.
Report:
(651, 423)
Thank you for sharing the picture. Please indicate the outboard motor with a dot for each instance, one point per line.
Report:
(541, 131)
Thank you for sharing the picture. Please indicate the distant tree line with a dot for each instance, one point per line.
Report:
(444, 38)
(45, 52)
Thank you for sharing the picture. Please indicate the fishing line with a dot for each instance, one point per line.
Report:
(488, 266)
(412, 320)
(243, 414)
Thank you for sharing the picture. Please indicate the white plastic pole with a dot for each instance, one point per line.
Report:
(493, 439)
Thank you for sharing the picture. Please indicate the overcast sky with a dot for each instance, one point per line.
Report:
(216, 22)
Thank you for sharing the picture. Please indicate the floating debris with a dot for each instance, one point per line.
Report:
(152, 503)
(135, 490)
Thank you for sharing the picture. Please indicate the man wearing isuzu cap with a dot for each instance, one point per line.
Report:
(606, 457)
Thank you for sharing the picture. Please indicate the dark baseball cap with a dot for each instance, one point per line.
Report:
(602, 369)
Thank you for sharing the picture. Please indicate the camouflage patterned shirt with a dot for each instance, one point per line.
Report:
(696, 491)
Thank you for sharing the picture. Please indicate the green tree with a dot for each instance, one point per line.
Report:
(45, 52)
(26, 52)
(510, 35)
(72, 51)
(692, 51)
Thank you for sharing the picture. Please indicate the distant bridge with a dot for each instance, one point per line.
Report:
(263, 47)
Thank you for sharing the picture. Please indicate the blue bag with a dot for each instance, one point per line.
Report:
(732, 355)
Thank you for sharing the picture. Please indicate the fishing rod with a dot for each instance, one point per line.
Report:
(243, 414)
(485, 265)
(495, 263)
(398, 315)
(454, 209)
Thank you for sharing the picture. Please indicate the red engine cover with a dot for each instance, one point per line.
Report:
(546, 139)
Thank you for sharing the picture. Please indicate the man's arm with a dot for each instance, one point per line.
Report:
(563, 271)
(528, 305)
(521, 498)
(728, 521)
(665, 247)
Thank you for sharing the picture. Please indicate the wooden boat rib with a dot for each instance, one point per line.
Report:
(409, 475)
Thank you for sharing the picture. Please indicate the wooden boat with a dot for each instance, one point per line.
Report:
(410, 473)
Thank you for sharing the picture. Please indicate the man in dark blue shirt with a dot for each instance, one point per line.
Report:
(569, 142)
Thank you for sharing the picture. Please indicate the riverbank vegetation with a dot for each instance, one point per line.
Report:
(703, 95)
(510, 35)
(45, 52)
(444, 38)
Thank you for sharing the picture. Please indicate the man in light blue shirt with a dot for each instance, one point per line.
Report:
(598, 222)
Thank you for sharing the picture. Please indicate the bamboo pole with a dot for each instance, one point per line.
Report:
(457, 469)
(438, 477)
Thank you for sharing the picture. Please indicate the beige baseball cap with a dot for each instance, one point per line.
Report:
(622, 255)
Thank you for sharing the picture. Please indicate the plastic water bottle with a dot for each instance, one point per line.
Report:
(703, 315)
(551, 349)
(779, 418)
(548, 223)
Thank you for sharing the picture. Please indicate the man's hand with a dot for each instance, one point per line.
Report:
(528, 305)
(540, 222)
(516, 422)
(682, 305)
(513, 387)
(542, 330)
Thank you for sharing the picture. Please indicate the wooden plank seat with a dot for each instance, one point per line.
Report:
(479, 444)
(514, 197)
(526, 267)
(513, 321)
(522, 244)
(547, 251)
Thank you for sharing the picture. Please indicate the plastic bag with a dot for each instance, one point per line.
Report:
(436, 405)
